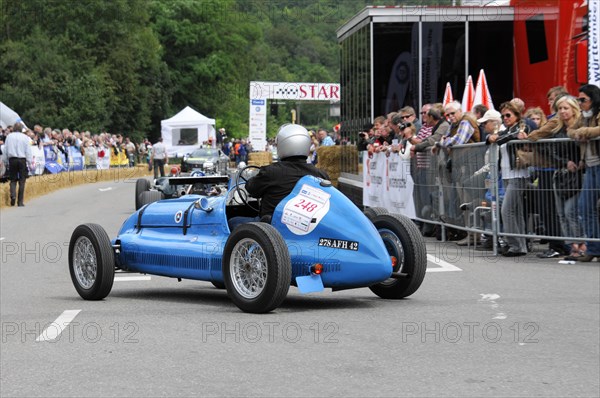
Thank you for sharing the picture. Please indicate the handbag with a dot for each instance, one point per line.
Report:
(524, 158)
(567, 183)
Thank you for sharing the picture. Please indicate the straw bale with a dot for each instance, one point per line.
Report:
(260, 158)
(47, 183)
(334, 159)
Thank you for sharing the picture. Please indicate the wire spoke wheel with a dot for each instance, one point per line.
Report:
(84, 262)
(249, 269)
(257, 268)
(91, 262)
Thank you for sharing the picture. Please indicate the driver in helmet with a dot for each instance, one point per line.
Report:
(275, 181)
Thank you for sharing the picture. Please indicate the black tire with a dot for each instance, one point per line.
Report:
(265, 243)
(141, 185)
(411, 255)
(218, 285)
(90, 242)
(372, 212)
(150, 197)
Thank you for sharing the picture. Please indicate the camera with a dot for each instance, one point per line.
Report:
(404, 125)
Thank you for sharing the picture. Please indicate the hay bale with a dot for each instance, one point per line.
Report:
(337, 159)
(46, 183)
(260, 158)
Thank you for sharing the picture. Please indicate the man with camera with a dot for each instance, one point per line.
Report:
(365, 137)
(408, 115)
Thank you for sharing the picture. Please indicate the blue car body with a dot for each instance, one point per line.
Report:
(182, 239)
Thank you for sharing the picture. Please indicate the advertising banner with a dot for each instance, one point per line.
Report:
(39, 160)
(295, 91)
(387, 183)
(75, 159)
(258, 124)
(594, 42)
(54, 163)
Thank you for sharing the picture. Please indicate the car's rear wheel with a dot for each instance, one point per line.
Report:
(372, 212)
(91, 262)
(404, 243)
(141, 185)
(256, 267)
(150, 197)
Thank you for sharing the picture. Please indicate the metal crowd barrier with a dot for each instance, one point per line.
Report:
(461, 188)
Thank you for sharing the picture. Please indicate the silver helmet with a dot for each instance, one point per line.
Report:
(292, 140)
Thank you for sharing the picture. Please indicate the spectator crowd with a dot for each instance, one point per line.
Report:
(549, 167)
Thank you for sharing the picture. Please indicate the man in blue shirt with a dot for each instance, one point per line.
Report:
(324, 138)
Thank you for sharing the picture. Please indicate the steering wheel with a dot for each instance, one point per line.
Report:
(241, 179)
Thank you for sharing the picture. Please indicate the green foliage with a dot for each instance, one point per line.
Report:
(88, 65)
(124, 65)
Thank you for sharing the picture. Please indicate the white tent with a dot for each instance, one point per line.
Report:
(8, 117)
(186, 131)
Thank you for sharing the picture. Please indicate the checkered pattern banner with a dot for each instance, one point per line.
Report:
(295, 91)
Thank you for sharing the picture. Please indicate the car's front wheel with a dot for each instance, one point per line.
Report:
(256, 267)
(150, 197)
(91, 262)
(405, 245)
(141, 185)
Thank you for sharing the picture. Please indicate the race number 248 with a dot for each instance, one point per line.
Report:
(306, 205)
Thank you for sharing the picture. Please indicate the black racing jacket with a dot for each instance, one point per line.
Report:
(276, 181)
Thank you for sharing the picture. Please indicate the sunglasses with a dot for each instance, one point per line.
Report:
(582, 100)
(423, 113)
(406, 117)
(450, 114)
(507, 115)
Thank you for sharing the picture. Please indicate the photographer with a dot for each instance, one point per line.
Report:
(398, 126)
(365, 137)
(404, 133)
(408, 115)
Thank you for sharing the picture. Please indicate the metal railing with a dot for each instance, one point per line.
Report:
(464, 188)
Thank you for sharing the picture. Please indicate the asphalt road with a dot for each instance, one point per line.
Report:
(478, 326)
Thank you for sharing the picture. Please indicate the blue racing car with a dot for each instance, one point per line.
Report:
(317, 238)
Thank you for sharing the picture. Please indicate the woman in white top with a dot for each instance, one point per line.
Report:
(515, 179)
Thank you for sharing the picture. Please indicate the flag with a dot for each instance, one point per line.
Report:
(468, 95)
(448, 95)
(482, 92)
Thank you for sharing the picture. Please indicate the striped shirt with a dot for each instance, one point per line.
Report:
(423, 161)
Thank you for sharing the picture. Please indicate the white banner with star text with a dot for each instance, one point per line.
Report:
(295, 91)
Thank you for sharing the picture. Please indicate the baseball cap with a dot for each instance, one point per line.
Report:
(490, 115)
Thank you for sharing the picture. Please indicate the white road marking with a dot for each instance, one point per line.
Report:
(489, 297)
(132, 278)
(444, 266)
(55, 328)
(104, 189)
